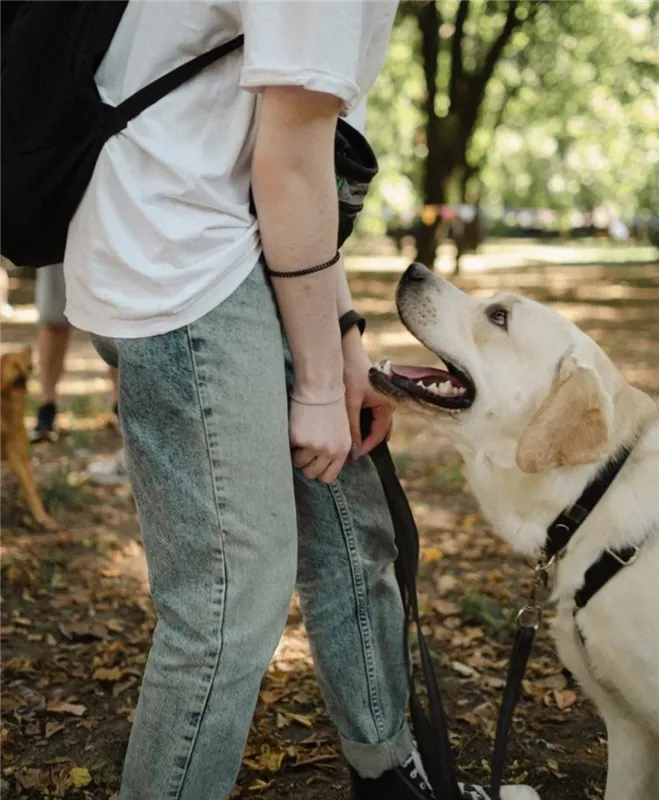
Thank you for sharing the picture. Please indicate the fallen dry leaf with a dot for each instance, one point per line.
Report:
(302, 719)
(105, 674)
(59, 707)
(31, 778)
(564, 698)
(84, 630)
(80, 777)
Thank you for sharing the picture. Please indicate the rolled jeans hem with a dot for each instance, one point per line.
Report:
(371, 760)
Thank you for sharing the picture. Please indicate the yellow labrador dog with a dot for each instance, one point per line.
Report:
(543, 419)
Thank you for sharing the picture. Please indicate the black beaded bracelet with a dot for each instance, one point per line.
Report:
(351, 319)
(308, 271)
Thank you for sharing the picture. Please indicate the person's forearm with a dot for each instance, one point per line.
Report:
(297, 206)
(343, 296)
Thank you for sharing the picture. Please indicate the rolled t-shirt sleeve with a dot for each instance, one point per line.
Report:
(318, 45)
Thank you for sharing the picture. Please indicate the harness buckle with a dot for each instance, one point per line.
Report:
(621, 561)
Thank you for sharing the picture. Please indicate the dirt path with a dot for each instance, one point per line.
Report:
(77, 619)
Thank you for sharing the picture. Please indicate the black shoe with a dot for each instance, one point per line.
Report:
(44, 430)
(403, 783)
(407, 783)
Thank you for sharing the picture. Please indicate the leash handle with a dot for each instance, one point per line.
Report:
(430, 728)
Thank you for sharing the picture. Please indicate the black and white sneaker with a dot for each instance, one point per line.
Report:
(407, 782)
(44, 430)
(410, 782)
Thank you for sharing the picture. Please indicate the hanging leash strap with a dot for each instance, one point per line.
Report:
(430, 727)
(528, 622)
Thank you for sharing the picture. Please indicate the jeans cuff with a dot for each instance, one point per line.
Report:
(371, 760)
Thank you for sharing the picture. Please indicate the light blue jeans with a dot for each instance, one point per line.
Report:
(204, 416)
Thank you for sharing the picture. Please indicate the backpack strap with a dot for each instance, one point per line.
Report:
(118, 117)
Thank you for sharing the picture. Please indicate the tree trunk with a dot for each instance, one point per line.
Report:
(448, 137)
(433, 179)
(426, 243)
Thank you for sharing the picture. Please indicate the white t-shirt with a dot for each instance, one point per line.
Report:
(164, 232)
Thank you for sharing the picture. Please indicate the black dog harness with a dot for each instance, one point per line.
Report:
(568, 522)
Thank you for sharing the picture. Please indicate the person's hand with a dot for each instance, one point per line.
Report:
(360, 394)
(319, 436)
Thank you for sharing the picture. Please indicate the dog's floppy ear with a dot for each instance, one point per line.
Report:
(572, 425)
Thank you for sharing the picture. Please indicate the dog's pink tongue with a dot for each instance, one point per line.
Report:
(419, 373)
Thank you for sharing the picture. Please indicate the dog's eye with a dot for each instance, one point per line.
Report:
(498, 315)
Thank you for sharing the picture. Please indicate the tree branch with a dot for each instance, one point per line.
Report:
(495, 52)
(457, 65)
(429, 24)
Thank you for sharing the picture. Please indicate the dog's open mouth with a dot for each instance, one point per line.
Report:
(451, 388)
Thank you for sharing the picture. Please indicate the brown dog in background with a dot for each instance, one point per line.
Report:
(15, 369)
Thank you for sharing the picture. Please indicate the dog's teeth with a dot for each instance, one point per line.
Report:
(445, 388)
(461, 390)
(433, 388)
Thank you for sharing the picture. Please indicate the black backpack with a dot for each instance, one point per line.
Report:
(54, 123)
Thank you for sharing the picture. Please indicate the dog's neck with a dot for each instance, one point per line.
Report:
(521, 506)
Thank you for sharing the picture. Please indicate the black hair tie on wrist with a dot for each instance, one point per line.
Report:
(308, 271)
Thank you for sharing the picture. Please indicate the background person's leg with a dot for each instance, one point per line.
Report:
(53, 331)
(52, 344)
(204, 416)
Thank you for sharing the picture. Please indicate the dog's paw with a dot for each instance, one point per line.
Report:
(519, 793)
(47, 522)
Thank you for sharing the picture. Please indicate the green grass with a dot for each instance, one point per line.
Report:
(82, 405)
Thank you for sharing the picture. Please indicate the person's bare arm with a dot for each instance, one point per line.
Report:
(296, 200)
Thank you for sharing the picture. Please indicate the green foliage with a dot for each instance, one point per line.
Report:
(488, 612)
(569, 118)
(581, 127)
(59, 493)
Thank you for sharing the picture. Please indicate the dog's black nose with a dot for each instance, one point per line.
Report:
(414, 273)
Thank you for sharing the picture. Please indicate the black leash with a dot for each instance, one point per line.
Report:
(519, 658)
(429, 726)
